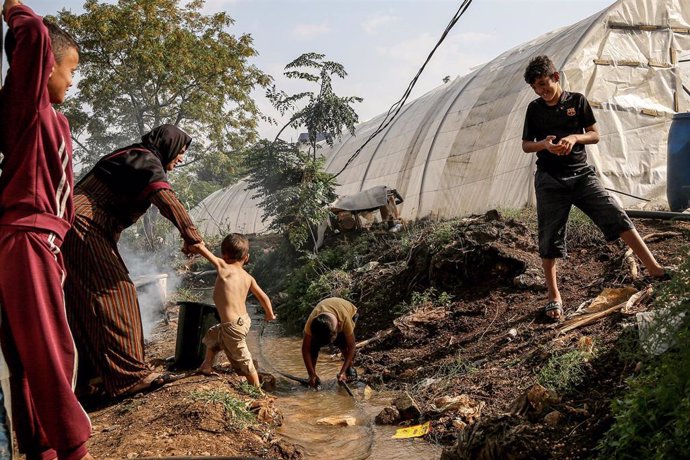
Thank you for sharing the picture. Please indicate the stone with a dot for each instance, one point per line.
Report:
(388, 416)
(407, 406)
(368, 392)
(531, 279)
(553, 418)
(540, 398)
(338, 420)
(268, 381)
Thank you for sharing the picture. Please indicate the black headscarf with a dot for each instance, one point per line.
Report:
(138, 170)
(166, 141)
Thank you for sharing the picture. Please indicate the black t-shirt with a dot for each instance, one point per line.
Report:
(571, 115)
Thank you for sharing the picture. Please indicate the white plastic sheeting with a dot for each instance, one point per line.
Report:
(457, 149)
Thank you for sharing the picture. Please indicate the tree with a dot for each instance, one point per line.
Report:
(291, 182)
(149, 62)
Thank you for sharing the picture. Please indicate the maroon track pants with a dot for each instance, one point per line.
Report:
(38, 347)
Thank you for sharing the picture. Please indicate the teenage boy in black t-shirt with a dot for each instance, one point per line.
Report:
(557, 126)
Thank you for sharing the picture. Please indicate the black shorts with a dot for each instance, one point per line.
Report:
(556, 196)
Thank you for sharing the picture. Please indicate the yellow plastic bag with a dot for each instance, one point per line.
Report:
(412, 431)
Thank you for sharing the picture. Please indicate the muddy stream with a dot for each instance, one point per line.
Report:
(302, 407)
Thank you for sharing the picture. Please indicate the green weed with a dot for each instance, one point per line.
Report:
(250, 390)
(563, 372)
(234, 408)
(653, 417)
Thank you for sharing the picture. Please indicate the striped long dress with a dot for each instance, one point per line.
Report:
(102, 305)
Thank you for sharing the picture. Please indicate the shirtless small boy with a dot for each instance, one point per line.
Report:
(233, 284)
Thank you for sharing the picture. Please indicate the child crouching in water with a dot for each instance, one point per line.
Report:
(233, 284)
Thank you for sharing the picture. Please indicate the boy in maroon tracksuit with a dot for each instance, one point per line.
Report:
(35, 213)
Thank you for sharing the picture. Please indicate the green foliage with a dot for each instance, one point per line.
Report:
(145, 63)
(235, 409)
(653, 417)
(293, 189)
(429, 296)
(442, 234)
(563, 372)
(291, 183)
(250, 390)
(324, 113)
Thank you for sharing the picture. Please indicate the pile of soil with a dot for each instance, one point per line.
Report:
(187, 417)
(492, 340)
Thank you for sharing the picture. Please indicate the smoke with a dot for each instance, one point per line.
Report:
(154, 281)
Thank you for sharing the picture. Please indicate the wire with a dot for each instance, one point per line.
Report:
(395, 108)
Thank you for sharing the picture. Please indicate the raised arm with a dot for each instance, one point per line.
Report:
(32, 59)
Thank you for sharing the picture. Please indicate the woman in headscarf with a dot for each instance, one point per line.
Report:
(102, 304)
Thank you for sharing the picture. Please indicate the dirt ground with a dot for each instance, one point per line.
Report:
(195, 416)
(489, 343)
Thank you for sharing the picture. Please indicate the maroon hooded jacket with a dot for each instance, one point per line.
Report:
(36, 180)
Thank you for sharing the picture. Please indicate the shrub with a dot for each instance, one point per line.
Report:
(652, 420)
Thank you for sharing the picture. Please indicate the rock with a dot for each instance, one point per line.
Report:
(540, 398)
(342, 420)
(580, 413)
(553, 418)
(268, 381)
(367, 392)
(408, 408)
(492, 215)
(531, 279)
(266, 412)
(388, 416)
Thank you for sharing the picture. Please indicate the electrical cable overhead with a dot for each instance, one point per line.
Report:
(395, 108)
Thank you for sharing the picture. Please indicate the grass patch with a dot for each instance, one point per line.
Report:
(250, 390)
(235, 409)
(429, 296)
(563, 372)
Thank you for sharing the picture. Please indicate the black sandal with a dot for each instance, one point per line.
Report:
(551, 307)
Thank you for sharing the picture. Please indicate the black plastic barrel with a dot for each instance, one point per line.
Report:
(678, 163)
(194, 320)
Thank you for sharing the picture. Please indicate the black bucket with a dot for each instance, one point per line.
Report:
(194, 320)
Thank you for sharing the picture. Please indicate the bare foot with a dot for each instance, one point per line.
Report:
(207, 371)
(87, 457)
(143, 383)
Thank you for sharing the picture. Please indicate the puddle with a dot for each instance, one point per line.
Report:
(302, 407)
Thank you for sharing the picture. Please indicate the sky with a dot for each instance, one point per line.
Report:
(381, 43)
